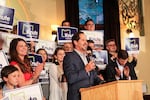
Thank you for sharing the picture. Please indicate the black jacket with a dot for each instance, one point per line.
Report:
(111, 72)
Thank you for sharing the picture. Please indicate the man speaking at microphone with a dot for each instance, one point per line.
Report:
(79, 72)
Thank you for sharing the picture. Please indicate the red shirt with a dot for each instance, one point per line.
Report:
(27, 75)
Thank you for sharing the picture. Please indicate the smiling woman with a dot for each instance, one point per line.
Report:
(19, 59)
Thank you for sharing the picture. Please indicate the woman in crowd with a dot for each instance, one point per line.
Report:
(58, 85)
(44, 55)
(18, 52)
(44, 73)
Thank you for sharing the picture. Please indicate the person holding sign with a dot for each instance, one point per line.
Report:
(45, 72)
(10, 76)
(67, 45)
(18, 52)
(94, 40)
(89, 25)
(65, 23)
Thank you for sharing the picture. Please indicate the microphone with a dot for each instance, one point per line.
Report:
(92, 58)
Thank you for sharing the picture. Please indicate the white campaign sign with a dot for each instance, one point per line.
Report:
(49, 46)
(4, 60)
(30, 92)
(7, 37)
(96, 36)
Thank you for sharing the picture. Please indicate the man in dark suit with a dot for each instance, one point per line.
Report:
(79, 72)
(121, 69)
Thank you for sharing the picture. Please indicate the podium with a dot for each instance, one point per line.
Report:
(116, 90)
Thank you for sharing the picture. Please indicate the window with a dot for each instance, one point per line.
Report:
(91, 9)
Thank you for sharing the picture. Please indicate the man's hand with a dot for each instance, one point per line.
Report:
(118, 72)
(101, 77)
(126, 71)
(90, 66)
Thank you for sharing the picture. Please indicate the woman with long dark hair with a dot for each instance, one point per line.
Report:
(18, 52)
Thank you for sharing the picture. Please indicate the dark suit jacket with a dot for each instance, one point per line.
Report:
(76, 75)
(111, 72)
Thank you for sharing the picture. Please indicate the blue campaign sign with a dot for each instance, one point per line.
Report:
(6, 18)
(28, 29)
(35, 59)
(64, 34)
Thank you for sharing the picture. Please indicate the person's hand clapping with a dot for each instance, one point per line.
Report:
(126, 71)
(38, 69)
(118, 72)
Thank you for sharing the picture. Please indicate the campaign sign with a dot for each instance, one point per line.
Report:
(101, 58)
(35, 59)
(6, 18)
(30, 92)
(4, 59)
(132, 45)
(28, 29)
(49, 46)
(7, 37)
(96, 36)
(64, 34)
